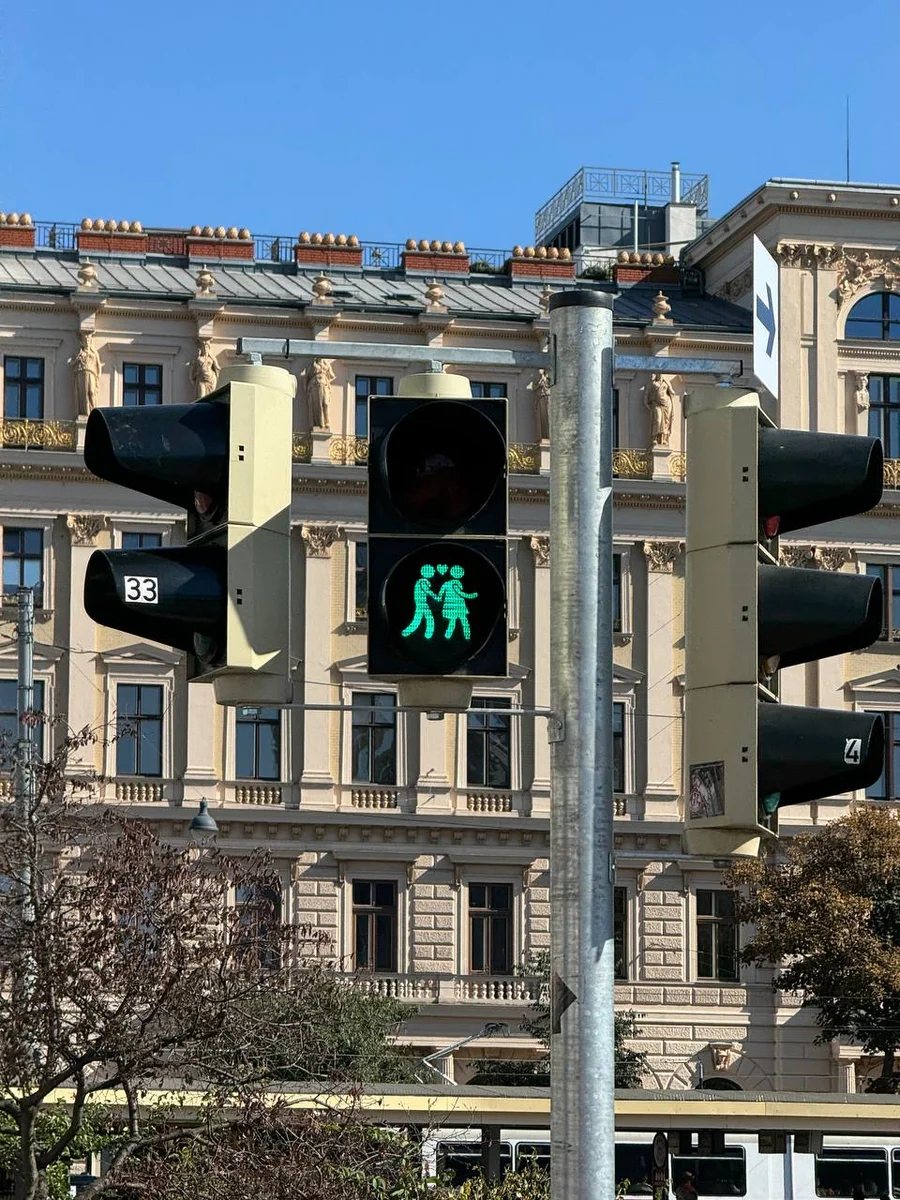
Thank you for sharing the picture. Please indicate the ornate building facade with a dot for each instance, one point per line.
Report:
(421, 846)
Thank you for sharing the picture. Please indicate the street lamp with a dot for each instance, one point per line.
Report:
(203, 826)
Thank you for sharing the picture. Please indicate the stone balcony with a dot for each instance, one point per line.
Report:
(451, 989)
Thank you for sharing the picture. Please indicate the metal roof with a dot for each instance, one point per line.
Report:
(490, 297)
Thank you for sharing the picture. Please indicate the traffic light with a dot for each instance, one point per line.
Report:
(437, 531)
(747, 756)
(224, 598)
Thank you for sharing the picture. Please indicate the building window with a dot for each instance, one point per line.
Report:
(9, 724)
(23, 388)
(887, 785)
(141, 541)
(142, 384)
(618, 747)
(366, 386)
(257, 750)
(374, 732)
(490, 928)
(258, 926)
(23, 562)
(375, 925)
(139, 729)
(361, 580)
(488, 391)
(716, 935)
(889, 574)
(617, 593)
(876, 317)
(884, 411)
(620, 932)
(488, 744)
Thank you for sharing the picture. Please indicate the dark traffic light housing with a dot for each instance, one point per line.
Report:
(226, 460)
(437, 566)
(747, 755)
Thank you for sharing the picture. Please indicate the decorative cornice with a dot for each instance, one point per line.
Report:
(540, 548)
(84, 527)
(810, 255)
(661, 556)
(859, 268)
(320, 538)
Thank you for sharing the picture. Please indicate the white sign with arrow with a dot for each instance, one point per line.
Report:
(766, 318)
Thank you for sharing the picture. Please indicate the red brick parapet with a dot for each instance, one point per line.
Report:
(328, 250)
(629, 274)
(541, 262)
(220, 243)
(16, 230)
(435, 257)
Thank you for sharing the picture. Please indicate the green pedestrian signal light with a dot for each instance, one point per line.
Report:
(437, 559)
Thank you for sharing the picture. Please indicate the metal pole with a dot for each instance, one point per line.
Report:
(24, 767)
(581, 822)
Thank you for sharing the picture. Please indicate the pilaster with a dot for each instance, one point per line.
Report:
(82, 700)
(540, 787)
(317, 781)
(662, 786)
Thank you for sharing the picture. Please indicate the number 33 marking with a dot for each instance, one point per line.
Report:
(141, 589)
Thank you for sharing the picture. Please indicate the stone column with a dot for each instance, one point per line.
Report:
(433, 782)
(83, 703)
(540, 787)
(661, 787)
(316, 781)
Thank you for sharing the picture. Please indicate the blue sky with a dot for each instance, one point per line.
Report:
(404, 119)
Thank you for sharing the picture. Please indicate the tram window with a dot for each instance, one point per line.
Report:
(536, 1152)
(635, 1163)
(722, 1174)
(840, 1169)
(895, 1171)
(462, 1160)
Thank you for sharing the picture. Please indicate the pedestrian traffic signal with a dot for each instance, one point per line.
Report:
(747, 755)
(437, 531)
(224, 597)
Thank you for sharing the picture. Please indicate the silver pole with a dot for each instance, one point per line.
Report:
(24, 767)
(581, 822)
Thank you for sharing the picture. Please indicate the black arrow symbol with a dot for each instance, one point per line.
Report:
(765, 314)
(561, 996)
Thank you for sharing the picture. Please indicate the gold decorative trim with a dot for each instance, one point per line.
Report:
(678, 467)
(37, 435)
(524, 458)
(892, 473)
(301, 447)
(632, 464)
(350, 451)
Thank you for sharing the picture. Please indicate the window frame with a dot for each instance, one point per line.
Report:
(885, 321)
(623, 918)
(484, 734)
(355, 694)
(41, 591)
(880, 410)
(42, 692)
(485, 389)
(142, 387)
(361, 403)
(374, 880)
(352, 615)
(258, 722)
(269, 957)
(715, 921)
(891, 717)
(159, 719)
(486, 914)
(24, 359)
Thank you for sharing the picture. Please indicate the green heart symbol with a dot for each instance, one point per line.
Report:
(442, 568)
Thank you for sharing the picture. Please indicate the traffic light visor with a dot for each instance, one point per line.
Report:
(443, 462)
(810, 478)
(175, 452)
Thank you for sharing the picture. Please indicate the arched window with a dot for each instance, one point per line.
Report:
(876, 317)
(717, 1083)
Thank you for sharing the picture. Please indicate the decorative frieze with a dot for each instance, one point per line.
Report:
(84, 527)
(540, 548)
(808, 254)
(826, 558)
(320, 538)
(737, 287)
(661, 556)
(856, 269)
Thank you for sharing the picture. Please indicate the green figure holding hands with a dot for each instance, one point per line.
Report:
(455, 609)
(422, 593)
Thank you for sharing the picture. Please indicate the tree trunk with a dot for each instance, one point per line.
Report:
(28, 1177)
(887, 1063)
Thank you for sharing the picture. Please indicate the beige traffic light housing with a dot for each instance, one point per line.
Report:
(722, 691)
(257, 536)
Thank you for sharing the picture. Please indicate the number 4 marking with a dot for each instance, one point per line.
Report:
(852, 750)
(141, 589)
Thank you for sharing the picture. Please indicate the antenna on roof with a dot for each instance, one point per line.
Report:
(848, 138)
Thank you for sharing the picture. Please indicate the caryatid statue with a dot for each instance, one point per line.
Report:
(204, 371)
(319, 378)
(541, 389)
(660, 401)
(86, 369)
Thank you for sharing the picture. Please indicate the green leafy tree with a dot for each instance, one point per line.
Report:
(630, 1063)
(827, 916)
